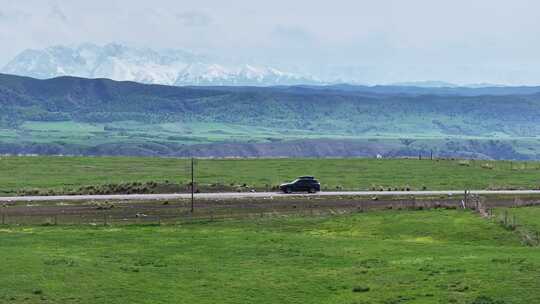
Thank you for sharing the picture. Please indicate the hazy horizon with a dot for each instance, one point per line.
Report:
(363, 42)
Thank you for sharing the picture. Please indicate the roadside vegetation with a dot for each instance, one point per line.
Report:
(523, 220)
(427, 256)
(102, 175)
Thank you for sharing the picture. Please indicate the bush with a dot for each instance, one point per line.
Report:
(487, 166)
(361, 289)
(464, 163)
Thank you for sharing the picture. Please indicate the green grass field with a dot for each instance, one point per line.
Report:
(18, 173)
(131, 131)
(208, 132)
(436, 256)
(165, 138)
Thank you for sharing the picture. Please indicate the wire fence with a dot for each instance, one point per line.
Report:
(529, 235)
(157, 214)
(106, 219)
(507, 219)
(165, 213)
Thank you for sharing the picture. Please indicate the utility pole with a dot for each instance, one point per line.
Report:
(192, 184)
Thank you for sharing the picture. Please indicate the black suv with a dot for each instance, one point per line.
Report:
(303, 183)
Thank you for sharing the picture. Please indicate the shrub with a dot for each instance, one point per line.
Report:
(487, 166)
(361, 289)
(464, 163)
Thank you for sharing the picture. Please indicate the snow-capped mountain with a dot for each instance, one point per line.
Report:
(215, 74)
(169, 67)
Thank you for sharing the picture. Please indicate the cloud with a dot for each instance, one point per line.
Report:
(386, 36)
(194, 19)
(57, 13)
(13, 15)
(293, 34)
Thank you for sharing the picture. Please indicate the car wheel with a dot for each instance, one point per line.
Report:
(288, 190)
(312, 190)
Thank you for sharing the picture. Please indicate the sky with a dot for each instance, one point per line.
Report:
(382, 41)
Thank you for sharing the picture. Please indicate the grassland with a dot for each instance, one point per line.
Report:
(18, 173)
(171, 139)
(72, 132)
(436, 256)
(132, 131)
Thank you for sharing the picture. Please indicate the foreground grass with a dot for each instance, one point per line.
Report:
(17, 173)
(382, 257)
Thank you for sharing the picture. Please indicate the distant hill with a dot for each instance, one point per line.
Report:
(78, 115)
(426, 84)
(420, 90)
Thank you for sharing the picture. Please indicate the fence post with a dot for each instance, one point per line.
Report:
(55, 219)
(104, 219)
(3, 218)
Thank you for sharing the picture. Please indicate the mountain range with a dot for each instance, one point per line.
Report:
(70, 115)
(167, 67)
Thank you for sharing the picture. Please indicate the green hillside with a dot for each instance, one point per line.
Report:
(82, 116)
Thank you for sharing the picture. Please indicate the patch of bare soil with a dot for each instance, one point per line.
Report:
(158, 211)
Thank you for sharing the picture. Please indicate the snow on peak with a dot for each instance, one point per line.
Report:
(119, 62)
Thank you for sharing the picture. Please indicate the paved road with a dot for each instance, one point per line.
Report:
(236, 195)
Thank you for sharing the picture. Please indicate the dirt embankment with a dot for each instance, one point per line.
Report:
(131, 211)
(479, 149)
